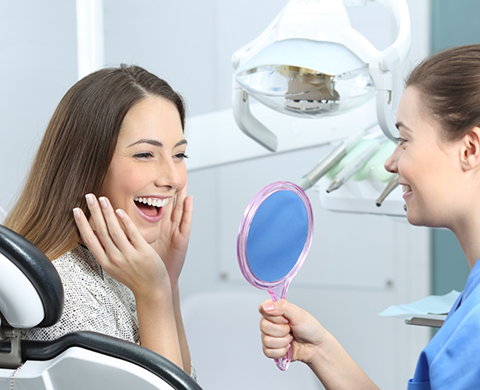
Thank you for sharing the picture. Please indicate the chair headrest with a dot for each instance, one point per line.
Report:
(31, 292)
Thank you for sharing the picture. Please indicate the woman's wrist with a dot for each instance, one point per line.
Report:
(322, 351)
(336, 369)
(160, 293)
(175, 289)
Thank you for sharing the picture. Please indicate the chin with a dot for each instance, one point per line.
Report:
(422, 220)
(413, 221)
(414, 218)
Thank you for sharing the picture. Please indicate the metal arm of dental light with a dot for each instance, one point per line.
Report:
(250, 125)
(380, 64)
(244, 118)
(390, 59)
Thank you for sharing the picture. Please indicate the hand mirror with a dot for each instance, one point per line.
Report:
(273, 241)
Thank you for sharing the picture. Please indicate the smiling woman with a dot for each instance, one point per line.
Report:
(114, 153)
(147, 168)
(437, 159)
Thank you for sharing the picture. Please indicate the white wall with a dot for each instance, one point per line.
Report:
(190, 43)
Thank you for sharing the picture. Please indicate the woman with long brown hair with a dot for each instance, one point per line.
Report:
(106, 201)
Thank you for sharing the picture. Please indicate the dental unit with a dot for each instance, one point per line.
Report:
(311, 63)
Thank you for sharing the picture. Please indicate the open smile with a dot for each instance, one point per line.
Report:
(406, 190)
(151, 208)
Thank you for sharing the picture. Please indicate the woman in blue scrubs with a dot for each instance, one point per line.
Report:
(437, 159)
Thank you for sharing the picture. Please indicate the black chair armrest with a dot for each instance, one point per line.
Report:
(110, 346)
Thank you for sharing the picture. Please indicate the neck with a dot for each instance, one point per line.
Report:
(468, 233)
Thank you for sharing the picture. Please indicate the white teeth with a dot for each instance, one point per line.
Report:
(406, 188)
(153, 201)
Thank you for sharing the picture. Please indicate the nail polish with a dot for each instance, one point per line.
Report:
(103, 202)
(89, 198)
(269, 307)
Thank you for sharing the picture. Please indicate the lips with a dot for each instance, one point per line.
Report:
(150, 208)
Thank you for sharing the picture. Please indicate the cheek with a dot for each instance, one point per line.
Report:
(122, 183)
(417, 167)
(182, 173)
(404, 168)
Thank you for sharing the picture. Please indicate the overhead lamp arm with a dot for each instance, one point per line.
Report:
(395, 54)
(250, 125)
(388, 60)
(381, 64)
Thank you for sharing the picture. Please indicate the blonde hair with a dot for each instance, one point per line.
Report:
(75, 153)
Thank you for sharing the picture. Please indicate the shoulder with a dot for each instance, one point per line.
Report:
(78, 261)
(455, 362)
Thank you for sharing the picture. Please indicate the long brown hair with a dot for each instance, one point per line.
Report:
(76, 151)
(449, 82)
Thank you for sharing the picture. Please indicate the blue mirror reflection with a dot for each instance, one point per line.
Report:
(277, 236)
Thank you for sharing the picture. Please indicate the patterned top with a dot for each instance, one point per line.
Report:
(93, 301)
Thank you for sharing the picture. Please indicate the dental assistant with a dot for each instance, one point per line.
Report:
(437, 159)
(106, 201)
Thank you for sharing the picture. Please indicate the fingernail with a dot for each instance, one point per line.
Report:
(103, 202)
(89, 198)
(120, 213)
(285, 321)
(76, 213)
(268, 307)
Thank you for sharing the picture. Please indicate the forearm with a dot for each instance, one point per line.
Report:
(185, 351)
(337, 370)
(158, 329)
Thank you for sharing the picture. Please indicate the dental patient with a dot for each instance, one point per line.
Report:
(106, 201)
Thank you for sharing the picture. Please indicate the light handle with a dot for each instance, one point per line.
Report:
(250, 125)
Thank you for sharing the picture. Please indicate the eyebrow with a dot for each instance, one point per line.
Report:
(401, 124)
(156, 143)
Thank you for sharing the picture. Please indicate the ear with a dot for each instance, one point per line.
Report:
(470, 149)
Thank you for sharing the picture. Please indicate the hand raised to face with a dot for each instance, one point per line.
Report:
(174, 235)
(120, 249)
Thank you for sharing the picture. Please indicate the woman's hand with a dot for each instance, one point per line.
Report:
(175, 229)
(120, 248)
(284, 324)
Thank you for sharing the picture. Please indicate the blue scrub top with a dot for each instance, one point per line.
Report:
(452, 358)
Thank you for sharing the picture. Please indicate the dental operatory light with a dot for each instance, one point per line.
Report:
(310, 62)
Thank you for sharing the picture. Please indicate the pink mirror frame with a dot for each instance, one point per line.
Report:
(277, 289)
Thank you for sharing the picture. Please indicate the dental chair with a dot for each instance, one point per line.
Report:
(31, 295)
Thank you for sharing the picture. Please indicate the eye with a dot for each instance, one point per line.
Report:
(180, 156)
(143, 156)
(400, 141)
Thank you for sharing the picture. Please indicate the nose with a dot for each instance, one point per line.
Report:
(168, 174)
(392, 162)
